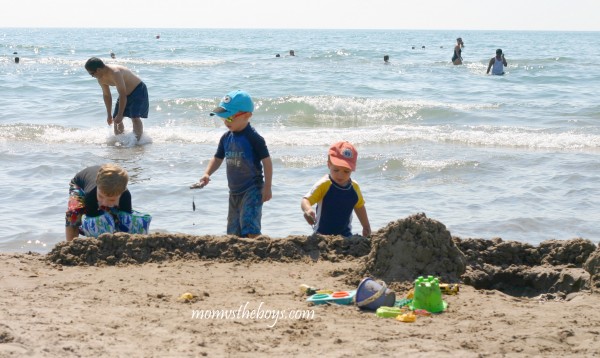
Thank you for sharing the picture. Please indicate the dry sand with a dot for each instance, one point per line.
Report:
(119, 295)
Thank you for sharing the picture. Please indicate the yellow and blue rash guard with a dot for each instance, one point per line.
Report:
(335, 205)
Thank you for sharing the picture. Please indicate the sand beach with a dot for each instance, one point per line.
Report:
(121, 295)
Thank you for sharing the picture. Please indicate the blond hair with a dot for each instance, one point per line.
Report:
(112, 179)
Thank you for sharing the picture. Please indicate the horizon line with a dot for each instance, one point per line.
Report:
(287, 28)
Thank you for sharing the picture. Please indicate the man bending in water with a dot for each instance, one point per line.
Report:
(133, 94)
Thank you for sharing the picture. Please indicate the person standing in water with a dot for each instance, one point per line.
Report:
(497, 64)
(457, 56)
(133, 95)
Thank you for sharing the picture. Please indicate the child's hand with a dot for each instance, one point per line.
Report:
(310, 217)
(266, 194)
(197, 185)
(201, 183)
(366, 231)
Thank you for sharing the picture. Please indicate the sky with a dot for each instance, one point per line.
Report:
(545, 15)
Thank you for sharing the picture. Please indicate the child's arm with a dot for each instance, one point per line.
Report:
(361, 213)
(212, 167)
(309, 213)
(268, 168)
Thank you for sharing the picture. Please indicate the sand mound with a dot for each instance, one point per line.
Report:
(122, 248)
(524, 270)
(592, 265)
(419, 246)
(412, 247)
(398, 253)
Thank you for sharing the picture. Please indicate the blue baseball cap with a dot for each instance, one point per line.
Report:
(234, 102)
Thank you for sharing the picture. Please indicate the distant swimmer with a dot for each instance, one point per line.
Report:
(157, 36)
(497, 63)
(278, 55)
(133, 94)
(16, 57)
(386, 59)
(457, 56)
(292, 53)
(112, 55)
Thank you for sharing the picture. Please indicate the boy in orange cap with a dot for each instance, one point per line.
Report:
(336, 196)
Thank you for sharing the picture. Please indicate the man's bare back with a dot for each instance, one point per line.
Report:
(116, 75)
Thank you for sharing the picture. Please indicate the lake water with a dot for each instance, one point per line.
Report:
(514, 156)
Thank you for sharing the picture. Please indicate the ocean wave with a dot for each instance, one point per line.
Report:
(336, 111)
(479, 136)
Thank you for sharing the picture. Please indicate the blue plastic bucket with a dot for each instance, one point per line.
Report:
(372, 295)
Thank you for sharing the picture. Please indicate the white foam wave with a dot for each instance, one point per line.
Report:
(127, 61)
(473, 136)
(361, 105)
(282, 136)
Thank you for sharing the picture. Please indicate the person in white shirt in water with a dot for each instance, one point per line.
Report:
(497, 63)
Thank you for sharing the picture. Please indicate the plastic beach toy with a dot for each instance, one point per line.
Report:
(428, 295)
(338, 297)
(372, 295)
(307, 290)
(419, 312)
(407, 317)
(403, 302)
(449, 288)
(389, 312)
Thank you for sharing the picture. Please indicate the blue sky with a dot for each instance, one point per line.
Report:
(556, 15)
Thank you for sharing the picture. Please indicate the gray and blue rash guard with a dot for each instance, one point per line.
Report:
(243, 152)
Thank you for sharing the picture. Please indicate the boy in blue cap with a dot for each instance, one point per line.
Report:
(245, 153)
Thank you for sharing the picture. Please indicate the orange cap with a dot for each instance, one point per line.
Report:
(343, 154)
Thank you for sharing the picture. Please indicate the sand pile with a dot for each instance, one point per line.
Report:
(521, 269)
(412, 247)
(398, 253)
(592, 265)
(122, 248)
